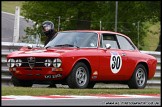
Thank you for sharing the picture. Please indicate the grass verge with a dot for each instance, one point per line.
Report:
(152, 39)
(33, 91)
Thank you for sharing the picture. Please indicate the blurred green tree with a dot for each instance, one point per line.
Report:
(87, 15)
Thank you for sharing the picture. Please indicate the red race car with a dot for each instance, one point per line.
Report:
(82, 58)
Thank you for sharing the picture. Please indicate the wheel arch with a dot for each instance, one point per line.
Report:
(86, 62)
(132, 82)
(71, 79)
(146, 67)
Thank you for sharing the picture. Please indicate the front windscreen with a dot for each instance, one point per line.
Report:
(74, 39)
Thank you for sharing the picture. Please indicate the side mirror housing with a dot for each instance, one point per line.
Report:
(30, 46)
(108, 46)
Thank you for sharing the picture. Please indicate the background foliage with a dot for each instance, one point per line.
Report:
(86, 15)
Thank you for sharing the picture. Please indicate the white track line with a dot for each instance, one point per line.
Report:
(13, 97)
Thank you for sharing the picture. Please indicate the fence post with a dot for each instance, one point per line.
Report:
(100, 25)
(16, 25)
(138, 32)
(58, 23)
(116, 16)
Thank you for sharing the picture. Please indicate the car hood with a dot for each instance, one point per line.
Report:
(42, 52)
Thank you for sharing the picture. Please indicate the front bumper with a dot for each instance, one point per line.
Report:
(37, 73)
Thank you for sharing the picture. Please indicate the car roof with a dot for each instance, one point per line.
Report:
(100, 32)
(96, 31)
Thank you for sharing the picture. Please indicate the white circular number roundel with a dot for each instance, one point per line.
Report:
(115, 62)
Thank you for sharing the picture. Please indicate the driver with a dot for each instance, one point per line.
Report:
(48, 30)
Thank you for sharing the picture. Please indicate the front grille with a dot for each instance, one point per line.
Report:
(39, 62)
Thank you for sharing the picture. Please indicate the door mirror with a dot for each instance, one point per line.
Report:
(108, 46)
(30, 46)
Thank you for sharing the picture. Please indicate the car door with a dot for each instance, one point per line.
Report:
(112, 61)
(127, 46)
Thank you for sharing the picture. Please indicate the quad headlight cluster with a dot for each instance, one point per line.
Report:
(56, 62)
(13, 62)
(47, 63)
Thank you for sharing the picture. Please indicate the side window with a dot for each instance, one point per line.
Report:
(124, 43)
(108, 39)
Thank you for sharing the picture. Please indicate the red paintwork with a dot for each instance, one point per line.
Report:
(98, 59)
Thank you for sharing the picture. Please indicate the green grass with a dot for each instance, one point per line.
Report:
(9, 6)
(67, 91)
(152, 39)
(156, 78)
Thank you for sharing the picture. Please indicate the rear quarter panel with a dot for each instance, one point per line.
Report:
(149, 60)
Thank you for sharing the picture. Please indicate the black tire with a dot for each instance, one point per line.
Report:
(79, 76)
(21, 83)
(91, 84)
(139, 78)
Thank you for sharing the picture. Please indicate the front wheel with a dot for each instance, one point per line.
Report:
(139, 78)
(79, 76)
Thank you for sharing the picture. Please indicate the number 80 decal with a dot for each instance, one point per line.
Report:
(115, 62)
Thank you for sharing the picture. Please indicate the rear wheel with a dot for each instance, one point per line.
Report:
(21, 83)
(79, 76)
(139, 78)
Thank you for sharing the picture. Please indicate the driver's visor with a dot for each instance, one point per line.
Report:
(46, 27)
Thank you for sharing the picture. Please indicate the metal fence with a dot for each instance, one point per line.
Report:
(8, 47)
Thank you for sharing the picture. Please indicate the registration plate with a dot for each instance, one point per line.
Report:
(53, 76)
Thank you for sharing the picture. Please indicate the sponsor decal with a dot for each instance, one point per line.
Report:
(94, 77)
(95, 73)
(115, 62)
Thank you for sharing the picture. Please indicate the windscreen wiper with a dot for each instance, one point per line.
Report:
(66, 45)
(49, 47)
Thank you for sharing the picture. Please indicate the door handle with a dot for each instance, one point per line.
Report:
(123, 54)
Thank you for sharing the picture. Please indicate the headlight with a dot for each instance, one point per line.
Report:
(47, 62)
(57, 63)
(11, 63)
(18, 62)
